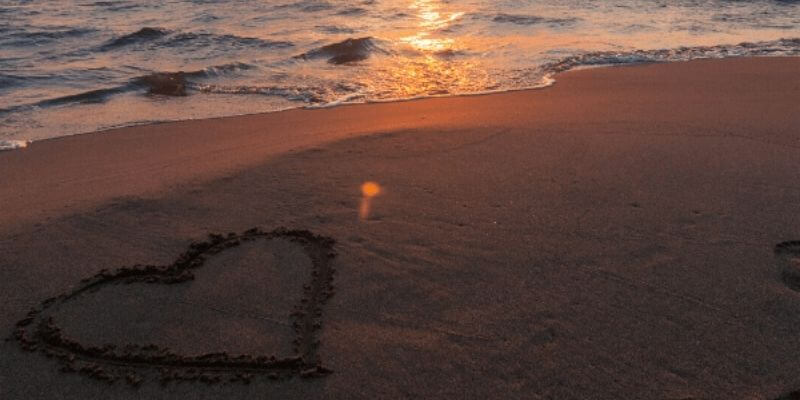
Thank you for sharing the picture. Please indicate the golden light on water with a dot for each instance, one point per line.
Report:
(431, 20)
(434, 65)
(424, 43)
(369, 190)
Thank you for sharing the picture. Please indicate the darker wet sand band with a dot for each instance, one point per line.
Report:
(64, 175)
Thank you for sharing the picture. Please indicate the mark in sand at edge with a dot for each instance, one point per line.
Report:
(788, 257)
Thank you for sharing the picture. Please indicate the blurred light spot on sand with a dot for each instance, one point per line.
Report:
(369, 190)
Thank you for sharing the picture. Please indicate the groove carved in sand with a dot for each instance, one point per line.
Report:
(38, 332)
(788, 255)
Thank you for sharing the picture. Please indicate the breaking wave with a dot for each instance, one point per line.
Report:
(346, 51)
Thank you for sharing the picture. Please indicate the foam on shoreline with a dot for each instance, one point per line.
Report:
(314, 98)
(13, 144)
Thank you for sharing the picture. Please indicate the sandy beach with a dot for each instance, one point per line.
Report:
(611, 237)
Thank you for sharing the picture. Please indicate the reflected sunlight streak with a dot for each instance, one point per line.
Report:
(435, 69)
(431, 20)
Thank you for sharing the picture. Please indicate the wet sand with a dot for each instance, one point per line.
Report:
(627, 233)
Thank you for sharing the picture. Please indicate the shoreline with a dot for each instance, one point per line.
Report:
(625, 233)
(550, 82)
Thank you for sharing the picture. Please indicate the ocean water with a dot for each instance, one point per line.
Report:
(74, 66)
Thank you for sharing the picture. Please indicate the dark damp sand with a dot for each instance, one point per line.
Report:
(612, 237)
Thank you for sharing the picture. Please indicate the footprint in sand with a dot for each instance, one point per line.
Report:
(790, 396)
(788, 255)
(141, 305)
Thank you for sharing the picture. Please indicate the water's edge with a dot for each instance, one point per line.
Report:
(548, 81)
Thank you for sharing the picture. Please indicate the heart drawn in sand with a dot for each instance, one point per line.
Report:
(39, 331)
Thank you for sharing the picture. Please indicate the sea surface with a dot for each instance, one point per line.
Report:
(74, 66)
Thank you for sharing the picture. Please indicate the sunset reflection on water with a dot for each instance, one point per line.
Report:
(432, 64)
(72, 66)
(431, 20)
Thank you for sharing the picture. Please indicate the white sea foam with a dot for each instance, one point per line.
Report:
(13, 144)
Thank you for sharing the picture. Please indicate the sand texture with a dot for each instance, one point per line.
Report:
(630, 233)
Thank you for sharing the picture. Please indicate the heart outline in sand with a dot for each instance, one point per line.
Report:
(39, 333)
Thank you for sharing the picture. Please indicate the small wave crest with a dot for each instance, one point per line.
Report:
(309, 6)
(142, 35)
(116, 5)
(155, 83)
(312, 95)
(781, 47)
(177, 83)
(346, 51)
(9, 80)
(352, 11)
(225, 69)
(39, 37)
(519, 19)
(165, 83)
(337, 30)
(160, 37)
(191, 39)
(91, 96)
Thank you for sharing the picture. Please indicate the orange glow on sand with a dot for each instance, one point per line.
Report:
(369, 190)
